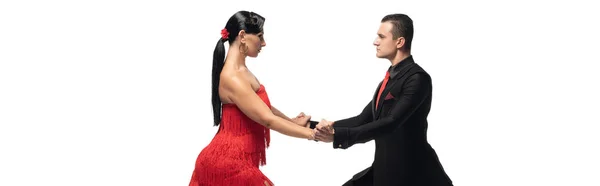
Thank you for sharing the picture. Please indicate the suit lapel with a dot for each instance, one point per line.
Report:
(387, 90)
(375, 98)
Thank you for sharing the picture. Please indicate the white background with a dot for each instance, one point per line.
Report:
(118, 92)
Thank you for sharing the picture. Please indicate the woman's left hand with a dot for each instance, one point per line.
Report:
(302, 120)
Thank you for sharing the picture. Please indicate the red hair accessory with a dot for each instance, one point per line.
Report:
(224, 34)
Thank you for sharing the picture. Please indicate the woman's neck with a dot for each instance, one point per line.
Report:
(235, 57)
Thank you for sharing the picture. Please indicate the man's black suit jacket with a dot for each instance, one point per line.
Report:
(398, 125)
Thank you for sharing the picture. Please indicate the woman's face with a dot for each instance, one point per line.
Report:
(254, 42)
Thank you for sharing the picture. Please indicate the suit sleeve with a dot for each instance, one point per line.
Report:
(411, 95)
(365, 116)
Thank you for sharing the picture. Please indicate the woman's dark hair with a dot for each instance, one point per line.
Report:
(251, 23)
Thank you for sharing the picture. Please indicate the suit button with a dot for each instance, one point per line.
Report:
(340, 145)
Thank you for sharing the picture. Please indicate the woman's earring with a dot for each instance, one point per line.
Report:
(245, 50)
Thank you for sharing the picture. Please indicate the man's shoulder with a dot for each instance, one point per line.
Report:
(415, 74)
(415, 71)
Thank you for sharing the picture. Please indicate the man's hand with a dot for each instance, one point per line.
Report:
(302, 120)
(324, 131)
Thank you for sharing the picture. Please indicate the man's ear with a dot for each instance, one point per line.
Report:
(242, 36)
(400, 42)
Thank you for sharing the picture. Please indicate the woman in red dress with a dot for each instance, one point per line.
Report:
(242, 111)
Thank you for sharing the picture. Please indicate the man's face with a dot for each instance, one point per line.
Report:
(386, 45)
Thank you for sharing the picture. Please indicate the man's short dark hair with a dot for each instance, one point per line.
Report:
(402, 27)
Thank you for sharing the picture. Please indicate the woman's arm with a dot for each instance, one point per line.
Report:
(280, 114)
(251, 105)
(300, 120)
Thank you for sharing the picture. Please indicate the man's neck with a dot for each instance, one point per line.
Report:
(399, 57)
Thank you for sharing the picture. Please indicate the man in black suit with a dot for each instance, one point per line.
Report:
(396, 118)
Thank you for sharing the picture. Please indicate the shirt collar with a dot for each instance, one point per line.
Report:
(396, 69)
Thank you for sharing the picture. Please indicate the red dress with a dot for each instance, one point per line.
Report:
(237, 150)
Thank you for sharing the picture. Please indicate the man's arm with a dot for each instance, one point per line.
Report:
(413, 93)
(365, 116)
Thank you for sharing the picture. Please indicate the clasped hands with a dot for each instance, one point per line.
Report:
(323, 131)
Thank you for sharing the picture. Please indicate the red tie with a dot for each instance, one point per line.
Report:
(385, 80)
